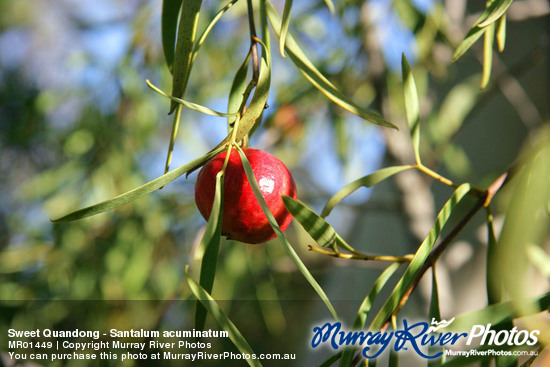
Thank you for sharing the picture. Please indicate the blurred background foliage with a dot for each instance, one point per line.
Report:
(78, 125)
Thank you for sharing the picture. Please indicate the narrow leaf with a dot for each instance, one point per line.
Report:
(315, 226)
(487, 55)
(288, 247)
(258, 102)
(169, 25)
(209, 246)
(366, 181)
(501, 32)
(137, 192)
(435, 313)
(330, 6)
(284, 26)
(221, 318)
(238, 87)
(187, 30)
(493, 12)
(317, 79)
(420, 257)
(191, 105)
(330, 361)
(497, 314)
(366, 306)
(494, 284)
(471, 38)
(411, 106)
(208, 29)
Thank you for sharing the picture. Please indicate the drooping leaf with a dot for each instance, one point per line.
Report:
(317, 79)
(471, 37)
(492, 13)
(501, 32)
(209, 247)
(487, 55)
(435, 314)
(494, 285)
(287, 246)
(495, 10)
(315, 226)
(284, 26)
(258, 102)
(238, 87)
(419, 258)
(366, 181)
(185, 41)
(456, 106)
(497, 314)
(169, 25)
(411, 106)
(365, 307)
(221, 318)
(330, 6)
(191, 105)
(330, 360)
(197, 45)
(138, 192)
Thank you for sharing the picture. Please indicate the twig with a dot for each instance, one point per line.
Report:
(253, 43)
(436, 253)
(360, 256)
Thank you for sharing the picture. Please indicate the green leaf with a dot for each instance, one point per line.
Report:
(496, 314)
(453, 111)
(137, 192)
(317, 79)
(411, 106)
(330, 6)
(494, 284)
(169, 25)
(471, 38)
(540, 259)
(259, 99)
(210, 245)
(191, 105)
(365, 307)
(435, 314)
(183, 56)
(493, 12)
(330, 361)
(487, 55)
(258, 102)
(284, 26)
(238, 88)
(420, 257)
(287, 246)
(221, 318)
(315, 226)
(366, 181)
(501, 32)
(197, 45)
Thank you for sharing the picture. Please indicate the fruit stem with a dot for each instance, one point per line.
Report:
(422, 168)
(360, 256)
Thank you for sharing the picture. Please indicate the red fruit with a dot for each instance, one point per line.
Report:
(243, 218)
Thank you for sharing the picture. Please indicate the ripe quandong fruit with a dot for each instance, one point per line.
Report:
(243, 219)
